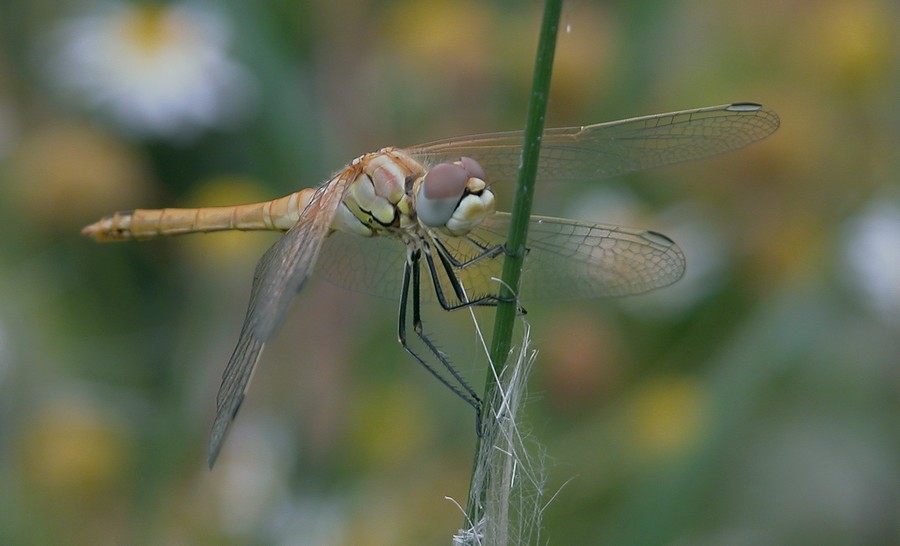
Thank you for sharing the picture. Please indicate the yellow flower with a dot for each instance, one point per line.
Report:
(667, 416)
(72, 447)
(68, 172)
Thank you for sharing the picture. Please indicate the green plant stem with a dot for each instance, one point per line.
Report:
(507, 308)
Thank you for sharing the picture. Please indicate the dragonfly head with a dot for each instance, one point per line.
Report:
(444, 189)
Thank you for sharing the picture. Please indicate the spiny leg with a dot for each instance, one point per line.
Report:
(460, 388)
(450, 264)
(485, 252)
(489, 300)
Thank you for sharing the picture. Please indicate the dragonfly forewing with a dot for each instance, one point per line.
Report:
(585, 153)
(279, 276)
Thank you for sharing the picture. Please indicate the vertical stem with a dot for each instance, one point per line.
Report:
(515, 247)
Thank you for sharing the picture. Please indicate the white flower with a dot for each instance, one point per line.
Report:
(871, 251)
(156, 70)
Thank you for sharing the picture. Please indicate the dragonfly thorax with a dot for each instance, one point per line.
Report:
(377, 200)
(393, 192)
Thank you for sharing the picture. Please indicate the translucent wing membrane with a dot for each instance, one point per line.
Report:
(567, 259)
(279, 275)
(371, 265)
(609, 149)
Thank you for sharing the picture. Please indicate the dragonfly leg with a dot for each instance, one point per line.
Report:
(458, 386)
(450, 264)
(486, 252)
(508, 252)
(462, 298)
(505, 249)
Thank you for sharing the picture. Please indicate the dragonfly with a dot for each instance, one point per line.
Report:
(391, 217)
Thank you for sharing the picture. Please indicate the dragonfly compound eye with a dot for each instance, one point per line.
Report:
(472, 167)
(440, 192)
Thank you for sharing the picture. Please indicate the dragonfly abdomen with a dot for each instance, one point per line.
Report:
(276, 215)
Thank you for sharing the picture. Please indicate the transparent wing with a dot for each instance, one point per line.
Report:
(566, 260)
(372, 265)
(279, 275)
(613, 148)
(568, 154)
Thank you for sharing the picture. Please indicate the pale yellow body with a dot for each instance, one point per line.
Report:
(379, 200)
(279, 214)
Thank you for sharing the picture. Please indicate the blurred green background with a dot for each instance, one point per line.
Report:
(754, 402)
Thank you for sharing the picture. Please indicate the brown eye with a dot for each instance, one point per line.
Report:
(445, 180)
(472, 167)
(440, 193)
